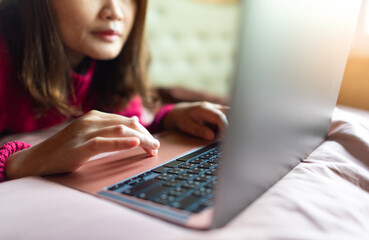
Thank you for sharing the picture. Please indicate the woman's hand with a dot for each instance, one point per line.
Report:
(201, 119)
(95, 132)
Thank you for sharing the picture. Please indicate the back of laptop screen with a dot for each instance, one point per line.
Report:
(292, 58)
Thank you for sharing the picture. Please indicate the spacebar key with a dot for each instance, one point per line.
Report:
(153, 192)
(185, 202)
(142, 186)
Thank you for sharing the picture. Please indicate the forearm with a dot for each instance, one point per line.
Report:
(20, 165)
(94, 133)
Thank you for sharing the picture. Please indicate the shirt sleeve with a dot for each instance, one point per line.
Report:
(4, 74)
(135, 108)
(6, 151)
(156, 125)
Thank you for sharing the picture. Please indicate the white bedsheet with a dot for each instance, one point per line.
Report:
(324, 197)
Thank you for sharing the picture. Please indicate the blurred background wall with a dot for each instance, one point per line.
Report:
(355, 85)
(193, 44)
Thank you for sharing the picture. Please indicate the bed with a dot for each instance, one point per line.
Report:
(326, 196)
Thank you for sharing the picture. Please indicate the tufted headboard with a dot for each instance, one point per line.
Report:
(192, 43)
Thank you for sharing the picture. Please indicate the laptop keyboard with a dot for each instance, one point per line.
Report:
(185, 183)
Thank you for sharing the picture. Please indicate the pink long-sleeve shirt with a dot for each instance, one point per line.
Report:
(16, 113)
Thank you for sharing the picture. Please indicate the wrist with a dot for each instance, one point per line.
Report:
(12, 167)
(168, 122)
(15, 166)
(8, 165)
(159, 121)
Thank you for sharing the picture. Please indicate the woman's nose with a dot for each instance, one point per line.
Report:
(112, 11)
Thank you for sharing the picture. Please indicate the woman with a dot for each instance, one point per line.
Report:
(63, 59)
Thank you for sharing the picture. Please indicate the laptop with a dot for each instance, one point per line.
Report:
(291, 59)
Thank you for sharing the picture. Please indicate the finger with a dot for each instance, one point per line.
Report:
(100, 145)
(197, 129)
(211, 116)
(224, 109)
(108, 119)
(219, 106)
(135, 124)
(139, 127)
(146, 142)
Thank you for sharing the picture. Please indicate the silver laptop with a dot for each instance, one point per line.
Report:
(291, 59)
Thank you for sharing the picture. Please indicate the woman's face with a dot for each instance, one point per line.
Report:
(94, 28)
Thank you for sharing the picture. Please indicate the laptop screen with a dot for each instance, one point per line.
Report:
(291, 62)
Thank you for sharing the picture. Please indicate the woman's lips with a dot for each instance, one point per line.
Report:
(108, 35)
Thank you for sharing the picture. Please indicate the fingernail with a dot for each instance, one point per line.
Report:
(156, 143)
(135, 118)
(209, 135)
(154, 152)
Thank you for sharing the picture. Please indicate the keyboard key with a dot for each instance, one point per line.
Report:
(133, 179)
(117, 186)
(206, 165)
(203, 178)
(177, 192)
(185, 176)
(176, 171)
(195, 170)
(152, 192)
(187, 157)
(191, 184)
(197, 161)
(160, 169)
(140, 187)
(209, 185)
(185, 202)
(164, 199)
(187, 165)
(172, 182)
(211, 172)
(202, 192)
(136, 182)
(202, 206)
(164, 176)
(173, 164)
(199, 208)
(214, 160)
(205, 156)
(145, 174)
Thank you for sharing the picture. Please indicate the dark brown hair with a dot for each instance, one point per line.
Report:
(44, 71)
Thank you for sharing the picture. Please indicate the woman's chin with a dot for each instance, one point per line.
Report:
(105, 53)
(104, 57)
